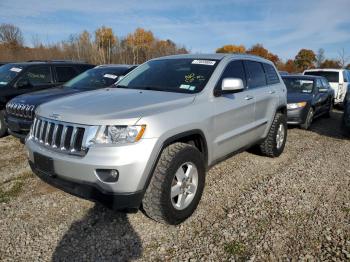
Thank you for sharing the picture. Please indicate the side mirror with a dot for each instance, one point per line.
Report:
(23, 83)
(231, 85)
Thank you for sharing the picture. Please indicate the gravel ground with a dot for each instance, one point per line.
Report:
(295, 207)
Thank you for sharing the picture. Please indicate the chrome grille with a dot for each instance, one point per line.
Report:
(20, 110)
(60, 136)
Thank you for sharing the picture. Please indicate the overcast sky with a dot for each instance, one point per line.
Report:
(201, 25)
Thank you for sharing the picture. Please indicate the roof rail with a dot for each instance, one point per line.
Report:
(57, 61)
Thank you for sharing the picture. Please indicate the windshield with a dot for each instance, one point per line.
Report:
(8, 73)
(332, 76)
(171, 75)
(296, 85)
(96, 78)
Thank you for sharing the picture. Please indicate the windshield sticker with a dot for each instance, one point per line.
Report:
(16, 69)
(203, 62)
(3, 83)
(110, 76)
(185, 86)
(189, 78)
(192, 88)
(35, 76)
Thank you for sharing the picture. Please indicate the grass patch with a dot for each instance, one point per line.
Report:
(15, 190)
(234, 248)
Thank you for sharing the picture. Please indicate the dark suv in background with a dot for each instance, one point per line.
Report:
(20, 110)
(24, 77)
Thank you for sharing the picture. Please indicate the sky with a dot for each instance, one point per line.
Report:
(283, 27)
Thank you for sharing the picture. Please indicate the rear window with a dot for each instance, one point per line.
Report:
(271, 75)
(65, 73)
(331, 76)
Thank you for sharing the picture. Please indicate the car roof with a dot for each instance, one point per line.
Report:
(115, 66)
(216, 56)
(28, 63)
(324, 69)
(305, 77)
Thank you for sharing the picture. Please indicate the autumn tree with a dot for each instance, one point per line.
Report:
(260, 50)
(342, 58)
(320, 57)
(305, 59)
(231, 49)
(105, 40)
(330, 63)
(11, 35)
(140, 42)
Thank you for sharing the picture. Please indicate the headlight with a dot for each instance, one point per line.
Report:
(119, 134)
(296, 105)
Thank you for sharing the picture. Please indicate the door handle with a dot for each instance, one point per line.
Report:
(249, 97)
(272, 91)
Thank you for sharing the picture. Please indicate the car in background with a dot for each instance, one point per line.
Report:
(338, 80)
(308, 97)
(283, 73)
(20, 110)
(346, 115)
(25, 77)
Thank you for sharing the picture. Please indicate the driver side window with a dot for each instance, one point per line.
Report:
(234, 69)
(37, 75)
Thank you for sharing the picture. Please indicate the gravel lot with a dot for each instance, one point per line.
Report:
(253, 208)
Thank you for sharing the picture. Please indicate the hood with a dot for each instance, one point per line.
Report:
(113, 106)
(43, 96)
(293, 97)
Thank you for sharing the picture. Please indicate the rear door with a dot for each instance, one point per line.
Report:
(266, 96)
(234, 115)
(320, 97)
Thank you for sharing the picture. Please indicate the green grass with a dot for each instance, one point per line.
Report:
(15, 188)
(234, 248)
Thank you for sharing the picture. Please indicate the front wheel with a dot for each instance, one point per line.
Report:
(176, 186)
(310, 116)
(3, 127)
(274, 143)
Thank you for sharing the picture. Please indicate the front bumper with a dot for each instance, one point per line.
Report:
(296, 116)
(133, 162)
(18, 127)
(128, 202)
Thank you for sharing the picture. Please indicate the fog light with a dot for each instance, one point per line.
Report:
(108, 175)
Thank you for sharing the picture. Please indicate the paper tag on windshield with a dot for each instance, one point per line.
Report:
(203, 62)
(184, 86)
(110, 76)
(16, 69)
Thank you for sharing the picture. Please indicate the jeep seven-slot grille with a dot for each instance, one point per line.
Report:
(20, 110)
(61, 136)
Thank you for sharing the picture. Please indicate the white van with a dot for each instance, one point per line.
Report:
(337, 78)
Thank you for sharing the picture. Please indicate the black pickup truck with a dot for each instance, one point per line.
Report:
(20, 110)
(25, 77)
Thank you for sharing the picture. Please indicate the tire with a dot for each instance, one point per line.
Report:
(274, 143)
(3, 127)
(157, 202)
(310, 115)
(330, 109)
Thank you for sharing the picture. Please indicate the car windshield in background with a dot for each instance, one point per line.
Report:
(332, 76)
(95, 78)
(171, 75)
(296, 85)
(8, 73)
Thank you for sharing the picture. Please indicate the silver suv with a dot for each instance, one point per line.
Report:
(148, 141)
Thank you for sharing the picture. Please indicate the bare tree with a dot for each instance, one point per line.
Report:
(342, 57)
(11, 35)
(320, 57)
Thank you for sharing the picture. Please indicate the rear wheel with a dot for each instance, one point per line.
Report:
(275, 141)
(310, 116)
(176, 186)
(3, 127)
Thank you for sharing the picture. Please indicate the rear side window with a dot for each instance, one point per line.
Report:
(255, 74)
(325, 83)
(331, 76)
(65, 73)
(271, 75)
(234, 69)
(38, 75)
(345, 76)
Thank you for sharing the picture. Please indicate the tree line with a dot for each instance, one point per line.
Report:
(103, 46)
(304, 59)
